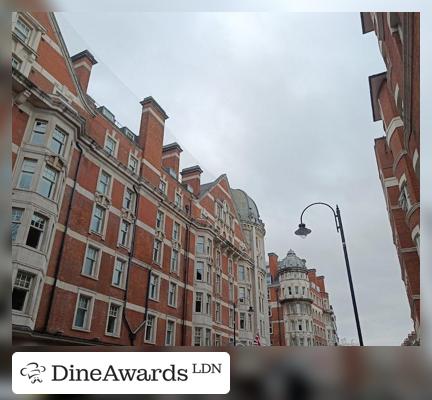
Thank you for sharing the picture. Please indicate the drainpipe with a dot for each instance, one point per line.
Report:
(60, 254)
(186, 274)
(131, 253)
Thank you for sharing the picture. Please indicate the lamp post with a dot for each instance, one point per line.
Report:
(302, 231)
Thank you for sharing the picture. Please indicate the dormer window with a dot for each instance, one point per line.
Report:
(22, 30)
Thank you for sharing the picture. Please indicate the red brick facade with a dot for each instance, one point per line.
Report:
(395, 96)
(107, 240)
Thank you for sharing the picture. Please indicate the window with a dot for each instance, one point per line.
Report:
(176, 232)
(289, 290)
(119, 272)
(16, 63)
(160, 220)
(218, 258)
(17, 214)
(82, 315)
(200, 245)
(218, 283)
(198, 337)
(217, 341)
(300, 325)
(242, 294)
(270, 328)
(98, 219)
(157, 248)
(178, 200)
(170, 332)
(208, 337)
(36, 231)
(90, 261)
(198, 302)
(113, 322)
(39, 132)
(172, 294)
(110, 146)
(230, 266)
(209, 272)
(128, 200)
(27, 172)
(269, 311)
(241, 273)
(174, 260)
(199, 271)
(162, 186)
(47, 183)
(219, 211)
(231, 317)
(208, 305)
(150, 329)
(209, 247)
(242, 321)
(104, 183)
(154, 287)
(296, 290)
(404, 200)
(21, 290)
(133, 164)
(22, 30)
(231, 291)
(124, 233)
(218, 312)
(58, 141)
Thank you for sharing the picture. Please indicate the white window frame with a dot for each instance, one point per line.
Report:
(165, 183)
(202, 271)
(92, 297)
(128, 233)
(95, 274)
(122, 284)
(175, 270)
(132, 200)
(153, 329)
(118, 324)
(53, 194)
(160, 228)
(30, 291)
(173, 336)
(195, 303)
(174, 305)
(135, 169)
(110, 183)
(35, 174)
(160, 255)
(103, 227)
(156, 298)
(107, 138)
(178, 238)
(43, 237)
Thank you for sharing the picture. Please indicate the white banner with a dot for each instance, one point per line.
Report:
(120, 372)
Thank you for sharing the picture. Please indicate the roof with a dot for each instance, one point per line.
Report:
(246, 207)
(172, 146)
(292, 261)
(190, 170)
(84, 54)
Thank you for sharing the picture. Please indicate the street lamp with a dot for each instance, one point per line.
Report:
(302, 231)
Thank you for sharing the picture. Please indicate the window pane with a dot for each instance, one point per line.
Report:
(27, 172)
(16, 221)
(58, 141)
(47, 183)
(39, 131)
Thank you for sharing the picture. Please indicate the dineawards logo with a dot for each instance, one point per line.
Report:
(33, 371)
(121, 372)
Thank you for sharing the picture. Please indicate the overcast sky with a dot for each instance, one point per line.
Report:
(280, 102)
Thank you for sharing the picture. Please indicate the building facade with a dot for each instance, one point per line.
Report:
(299, 310)
(111, 243)
(395, 97)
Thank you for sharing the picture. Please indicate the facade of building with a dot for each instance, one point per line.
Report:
(395, 97)
(299, 310)
(109, 245)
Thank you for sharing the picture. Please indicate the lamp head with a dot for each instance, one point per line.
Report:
(302, 231)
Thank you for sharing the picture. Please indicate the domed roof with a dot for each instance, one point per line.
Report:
(246, 207)
(292, 261)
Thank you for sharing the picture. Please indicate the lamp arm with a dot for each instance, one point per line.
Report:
(325, 204)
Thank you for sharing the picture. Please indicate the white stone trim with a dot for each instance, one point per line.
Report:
(395, 123)
(415, 232)
(82, 64)
(151, 166)
(390, 182)
(415, 158)
(402, 180)
(150, 110)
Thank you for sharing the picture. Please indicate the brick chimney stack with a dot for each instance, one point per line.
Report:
(273, 265)
(151, 136)
(192, 176)
(171, 157)
(320, 283)
(83, 63)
